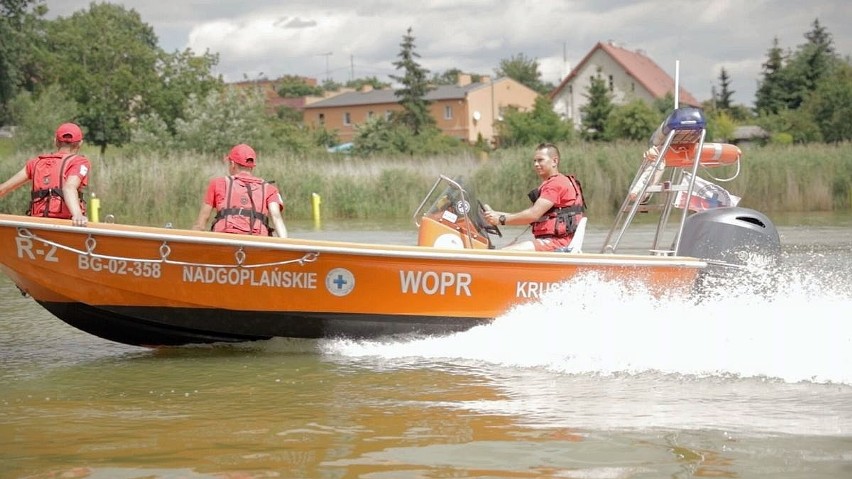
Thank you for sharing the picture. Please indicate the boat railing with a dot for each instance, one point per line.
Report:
(669, 184)
(164, 252)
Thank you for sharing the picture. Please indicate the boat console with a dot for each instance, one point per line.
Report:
(454, 218)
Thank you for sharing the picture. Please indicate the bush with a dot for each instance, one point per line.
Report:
(632, 121)
(542, 124)
(378, 136)
(781, 138)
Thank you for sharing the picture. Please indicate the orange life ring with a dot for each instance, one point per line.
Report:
(712, 154)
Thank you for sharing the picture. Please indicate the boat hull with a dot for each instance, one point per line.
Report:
(155, 286)
(156, 326)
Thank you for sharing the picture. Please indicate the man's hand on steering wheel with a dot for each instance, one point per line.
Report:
(486, 225)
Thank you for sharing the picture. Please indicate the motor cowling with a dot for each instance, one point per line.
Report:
(741, 247)
(729, 235)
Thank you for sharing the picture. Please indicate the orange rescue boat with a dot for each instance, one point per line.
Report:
(153, 286)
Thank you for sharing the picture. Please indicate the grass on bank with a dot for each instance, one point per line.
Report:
(159, 190)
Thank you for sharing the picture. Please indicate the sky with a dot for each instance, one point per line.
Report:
(345, 39)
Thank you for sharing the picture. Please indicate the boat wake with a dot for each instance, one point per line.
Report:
(785, 326)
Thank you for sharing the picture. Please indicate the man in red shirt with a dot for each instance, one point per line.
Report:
(557, 208)
(244, 203)
(57, 178)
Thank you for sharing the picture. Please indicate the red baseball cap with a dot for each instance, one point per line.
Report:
(243, 155)
(69, 133)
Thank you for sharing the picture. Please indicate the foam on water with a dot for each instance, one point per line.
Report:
(791, 326)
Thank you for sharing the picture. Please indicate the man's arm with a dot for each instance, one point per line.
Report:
(277, 219)
(203, 216)
(14, 182)
(72, 200)
(528, 215)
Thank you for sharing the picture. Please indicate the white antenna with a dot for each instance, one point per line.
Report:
(677, 84)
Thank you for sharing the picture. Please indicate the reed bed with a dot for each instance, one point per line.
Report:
(157, 190)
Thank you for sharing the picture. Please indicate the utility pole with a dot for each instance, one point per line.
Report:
(326, 55)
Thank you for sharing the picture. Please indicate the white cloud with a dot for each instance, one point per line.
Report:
(293, 37)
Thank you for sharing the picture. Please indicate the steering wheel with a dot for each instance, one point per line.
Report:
(486, 226)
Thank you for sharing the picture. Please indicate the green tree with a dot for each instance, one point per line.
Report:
(293, 86)
(597, 110)
(633, 121)
(38, 114)
(106, 58)
(812, 61)
(374, 82)
(830, 105)
(523, 70)
(818, 53)
(378, 135)
(330, 85)
(520, 128)
(415, 86)
(797, 124)
(214, 123)
(771, 94)
(149, 134)
(181, 74)
(664, 105)
(451, 77)
(21, 38)
(720, 126)
(723, 99)
(741, 113)
(790, 85)
(288, 114)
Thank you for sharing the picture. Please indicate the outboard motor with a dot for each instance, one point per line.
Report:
(736, 242)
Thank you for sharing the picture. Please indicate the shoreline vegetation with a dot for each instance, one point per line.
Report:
(154, 191)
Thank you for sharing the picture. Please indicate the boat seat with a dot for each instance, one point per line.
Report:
(576, 244)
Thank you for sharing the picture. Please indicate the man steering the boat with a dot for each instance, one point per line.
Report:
(57, 178)
(557, 208)
(244, 203)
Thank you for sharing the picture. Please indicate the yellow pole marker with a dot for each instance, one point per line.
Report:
(94, 208)
(315, 207)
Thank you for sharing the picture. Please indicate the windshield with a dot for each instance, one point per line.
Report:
(454, 203)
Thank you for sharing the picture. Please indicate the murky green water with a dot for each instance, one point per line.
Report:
(594, 382)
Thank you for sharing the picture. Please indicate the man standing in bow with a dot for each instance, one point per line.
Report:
(57, 178)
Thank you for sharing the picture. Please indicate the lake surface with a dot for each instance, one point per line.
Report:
(594, 382)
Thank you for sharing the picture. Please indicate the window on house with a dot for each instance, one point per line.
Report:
(570, 89)
(322, 118)
(632, 86)
(448, 112)
(611, 84)
(347, 118)
(370, 114)
(387, 114)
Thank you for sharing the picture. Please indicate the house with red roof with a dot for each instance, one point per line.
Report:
(630, 74)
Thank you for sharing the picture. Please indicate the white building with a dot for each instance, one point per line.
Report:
(629, 75)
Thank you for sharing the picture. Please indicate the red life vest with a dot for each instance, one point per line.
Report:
(244, 209)
(48, 178)
(560, 221)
